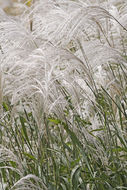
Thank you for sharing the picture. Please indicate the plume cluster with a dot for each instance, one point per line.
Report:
(58, 53)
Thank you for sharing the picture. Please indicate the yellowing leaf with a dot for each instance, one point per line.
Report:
(28, 3)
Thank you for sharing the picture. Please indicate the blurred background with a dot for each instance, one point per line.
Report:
(14, 7)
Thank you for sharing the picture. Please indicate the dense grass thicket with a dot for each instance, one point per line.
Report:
(63, 95)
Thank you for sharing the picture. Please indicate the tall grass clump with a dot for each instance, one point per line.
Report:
(63, 95)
